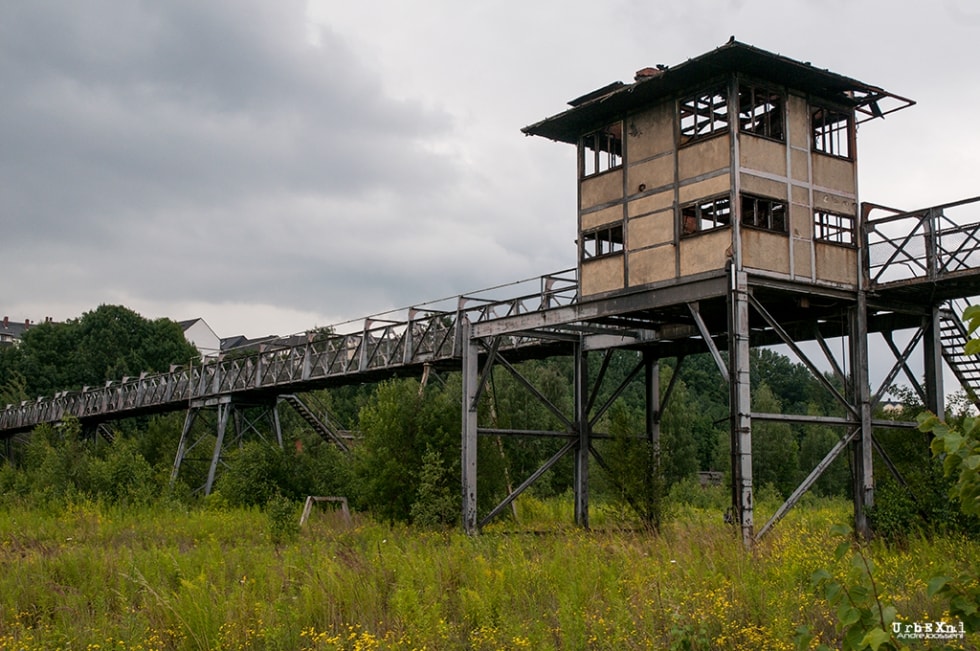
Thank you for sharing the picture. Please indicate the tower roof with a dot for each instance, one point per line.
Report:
(656, 84)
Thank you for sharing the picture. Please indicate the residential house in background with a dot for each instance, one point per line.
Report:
(202, 337)
(11, 331)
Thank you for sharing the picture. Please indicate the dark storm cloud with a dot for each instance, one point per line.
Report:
(122, 112)
(179, 149)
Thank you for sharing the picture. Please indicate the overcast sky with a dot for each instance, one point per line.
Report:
(271, 166)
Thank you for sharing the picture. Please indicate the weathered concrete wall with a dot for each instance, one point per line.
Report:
(706, 252)
(652, 265)
(602, 188)
(836, 264)
(764, 250)
(602, 275)
(650, 132)
(650, 230)
(598, 218)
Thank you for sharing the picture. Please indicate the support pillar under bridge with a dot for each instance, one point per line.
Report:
(826, 331)
(209, 444)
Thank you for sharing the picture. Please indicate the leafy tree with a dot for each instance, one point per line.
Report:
(688, 433)
(45, 359)
(122, 475)
(397, 428)
(436, 502)
(636, 468)
(14, 390)
(816, 443)
(105, 344)
(59, 463)
(256, 473)
(775, 455)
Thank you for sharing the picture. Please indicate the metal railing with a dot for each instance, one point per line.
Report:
(401, 338)
(923, 245)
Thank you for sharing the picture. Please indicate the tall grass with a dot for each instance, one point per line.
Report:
(95, 577)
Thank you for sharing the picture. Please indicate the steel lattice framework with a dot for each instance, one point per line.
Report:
(914, 265)
(387, 344)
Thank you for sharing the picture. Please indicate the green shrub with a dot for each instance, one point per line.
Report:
(283, 523)
(436, 503)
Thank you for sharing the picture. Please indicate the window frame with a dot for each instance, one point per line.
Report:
(605, 153)
(764, 209)
(827, 125)
(606, 240)
(703, 103)
(846, 227)
(699, 212)
(749, 120)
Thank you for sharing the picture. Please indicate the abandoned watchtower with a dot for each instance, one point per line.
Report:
(736, 156)
(718, 209)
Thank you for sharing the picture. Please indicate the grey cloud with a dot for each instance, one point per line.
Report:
(171, 140)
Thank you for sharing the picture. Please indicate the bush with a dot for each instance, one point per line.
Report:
(436, 503)
(283, 524)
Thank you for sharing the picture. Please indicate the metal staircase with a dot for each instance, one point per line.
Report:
(321, 425)
(954, 336)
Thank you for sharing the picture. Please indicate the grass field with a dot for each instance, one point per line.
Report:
(83, 576)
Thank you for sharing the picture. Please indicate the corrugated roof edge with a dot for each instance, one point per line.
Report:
(599, 106)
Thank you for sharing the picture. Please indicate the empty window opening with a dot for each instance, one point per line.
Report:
(602, 241)
(760, 111)
(768, 214)
(706, 215)
(831, 131)
(704, 115)
(833, 227)
(602, 150)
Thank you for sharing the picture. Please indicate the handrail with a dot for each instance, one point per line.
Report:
(416, 335)
(924, 244)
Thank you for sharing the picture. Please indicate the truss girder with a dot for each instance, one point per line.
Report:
(901, 364)
(290, 364)
(811, 479)
(245, 420)
(922, 245)
(791, 344)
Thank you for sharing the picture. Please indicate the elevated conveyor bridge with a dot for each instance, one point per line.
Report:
(915, 264)
(385, 345)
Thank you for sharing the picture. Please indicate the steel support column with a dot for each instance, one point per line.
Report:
(470, 399)
(740, 404)
(933, 362)
(182, 446)
(583, 429)
(277, 424)
(651, 374)
(863, 470)
(224, 410)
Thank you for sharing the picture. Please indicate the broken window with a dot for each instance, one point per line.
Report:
(831, 131)
(704, 115)
(602, 150)
(602, 241)
(769, 214)
(833, 227)
(760, 111)
(706, 215)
